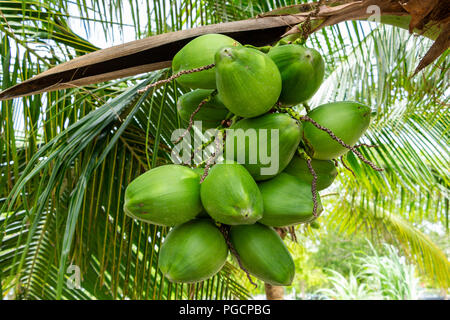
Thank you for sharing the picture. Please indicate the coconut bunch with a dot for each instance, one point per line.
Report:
(237, 206)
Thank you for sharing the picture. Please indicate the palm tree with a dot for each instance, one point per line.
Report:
(68, 151)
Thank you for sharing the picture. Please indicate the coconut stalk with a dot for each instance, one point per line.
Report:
(274, 292)
(427, 18)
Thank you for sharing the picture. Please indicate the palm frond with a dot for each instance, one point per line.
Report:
(348, 217)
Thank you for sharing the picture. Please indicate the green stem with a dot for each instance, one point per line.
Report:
(264, 49)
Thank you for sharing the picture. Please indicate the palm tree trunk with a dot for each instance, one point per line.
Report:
(274, 292)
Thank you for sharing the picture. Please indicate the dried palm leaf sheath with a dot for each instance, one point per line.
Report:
(145, 55)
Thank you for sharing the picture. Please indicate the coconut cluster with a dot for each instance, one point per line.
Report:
(237, 205)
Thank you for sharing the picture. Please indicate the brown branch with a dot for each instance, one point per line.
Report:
(313, 186)
(291, 230)
(365, 145)
(336, 163)
(211, 159)
(191, 118)
(347, 167)
(177, 75)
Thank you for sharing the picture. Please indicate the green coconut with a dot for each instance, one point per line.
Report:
(263, 253)
(248, 81)
(210, 114)
(230, 195)
(193, 251)
(167, 195)
(302, 70)
(287, 201)
(347, 120)
(251, 143)
(325, 170)
(199, 171)
(197, 53)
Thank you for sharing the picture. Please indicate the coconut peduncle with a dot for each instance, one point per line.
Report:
(263, 49)
(347, 167)
(336, 163)
(291, 230)
(225, 229)
(191, 118)
(307, 107)
(213, 157)
(313, 182)
(177, 75)
(365, 145)
(224, 124)
(201, 148)
(306, 26)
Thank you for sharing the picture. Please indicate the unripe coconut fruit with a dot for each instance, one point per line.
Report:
(167, 195)
(287, 201)
(325, 170)
(263, 253)
(230, 195)
(199, 171)
(210, 114)
(263, 144)
(347, 120)
(248, 81)
(302, 70)
(197, 53)
(193, 251)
